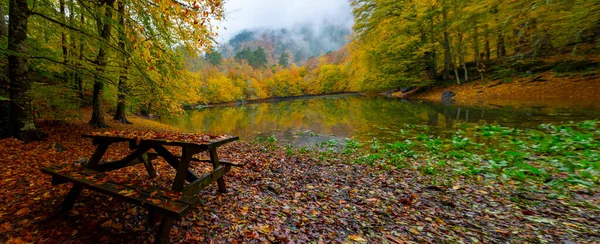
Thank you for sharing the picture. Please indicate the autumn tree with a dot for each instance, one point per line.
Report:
(284, 59)
(214, 57)
(104, 23)
(21, 121)
(124, 66)
(257, 58)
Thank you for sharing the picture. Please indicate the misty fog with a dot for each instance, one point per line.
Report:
(303, 28)
(277, 14)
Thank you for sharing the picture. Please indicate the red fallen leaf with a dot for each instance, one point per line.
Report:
(23, 211)
(7, 226)
(528, 212)
(405, 201)
(251, 234)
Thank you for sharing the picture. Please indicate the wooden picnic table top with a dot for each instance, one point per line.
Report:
(140, 142)
(192, 140)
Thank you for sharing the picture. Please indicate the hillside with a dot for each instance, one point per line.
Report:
(300, 42)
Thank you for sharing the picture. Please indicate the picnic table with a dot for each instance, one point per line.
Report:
(164, 205)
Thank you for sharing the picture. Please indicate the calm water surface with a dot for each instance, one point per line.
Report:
(307, 121)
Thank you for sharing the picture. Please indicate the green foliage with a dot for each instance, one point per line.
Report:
(213, 57)
(568, 155)
(574, 66)
(54, 102)
(256, 58)
(284, 59)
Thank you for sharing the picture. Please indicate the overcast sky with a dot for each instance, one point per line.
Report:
(250, 14)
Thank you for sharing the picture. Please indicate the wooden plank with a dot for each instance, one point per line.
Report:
(206, 145)
(163, 192)
(173, 161)
(126, 161)
(148, 165)
(216, 144)
(163, 234)
(154, 155)
(109, 139)
(239, 165)
(97, 156)
(166, 193)
(206, 180)
(214, 157)
(182, 169)
(115, 165)
(70, 199)
(173, 208)
(201, 146)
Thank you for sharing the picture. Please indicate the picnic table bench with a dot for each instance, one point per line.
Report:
(164, 205)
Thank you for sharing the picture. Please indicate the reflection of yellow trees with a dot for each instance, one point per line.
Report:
(360, 118)
(337, 116)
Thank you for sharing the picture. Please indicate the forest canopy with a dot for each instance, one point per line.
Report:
(157, 57)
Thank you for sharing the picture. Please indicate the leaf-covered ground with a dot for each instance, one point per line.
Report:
(555, 92)
(282, 196)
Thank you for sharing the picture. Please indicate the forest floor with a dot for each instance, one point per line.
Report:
(544, 89)
(284, 195)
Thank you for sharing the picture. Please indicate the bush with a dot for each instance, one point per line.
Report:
(574, 66)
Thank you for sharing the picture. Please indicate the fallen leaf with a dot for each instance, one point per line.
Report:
(23, 211)
(357, 238)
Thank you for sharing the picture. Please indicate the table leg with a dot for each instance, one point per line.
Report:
(70, 199)
(214, 157)
(147, 160)
(174, 162)
(182, 169)
(97, 156)
(148, 164)
(164, 231)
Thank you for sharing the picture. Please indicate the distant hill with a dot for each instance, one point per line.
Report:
(300, 42)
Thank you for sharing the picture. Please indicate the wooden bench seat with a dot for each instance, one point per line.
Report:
(156, 200)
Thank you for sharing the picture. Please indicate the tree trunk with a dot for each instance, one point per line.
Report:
(488, 52)
(431, 69)
(21, 121)
(147, 109)
(461, 55)
(122, 92)
(476, 43)
(456, 72)
(501, 48)
(78, 78)
(500, 44)
(63, 34)
(446, 44)
(73, 74)
(101, 60)
(3, 28)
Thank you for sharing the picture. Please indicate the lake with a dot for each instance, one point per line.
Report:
(311, 120)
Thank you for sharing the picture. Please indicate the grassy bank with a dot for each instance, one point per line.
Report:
(558, 80)
(483, 183)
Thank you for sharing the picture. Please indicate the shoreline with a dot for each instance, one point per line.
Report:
(271, 99)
